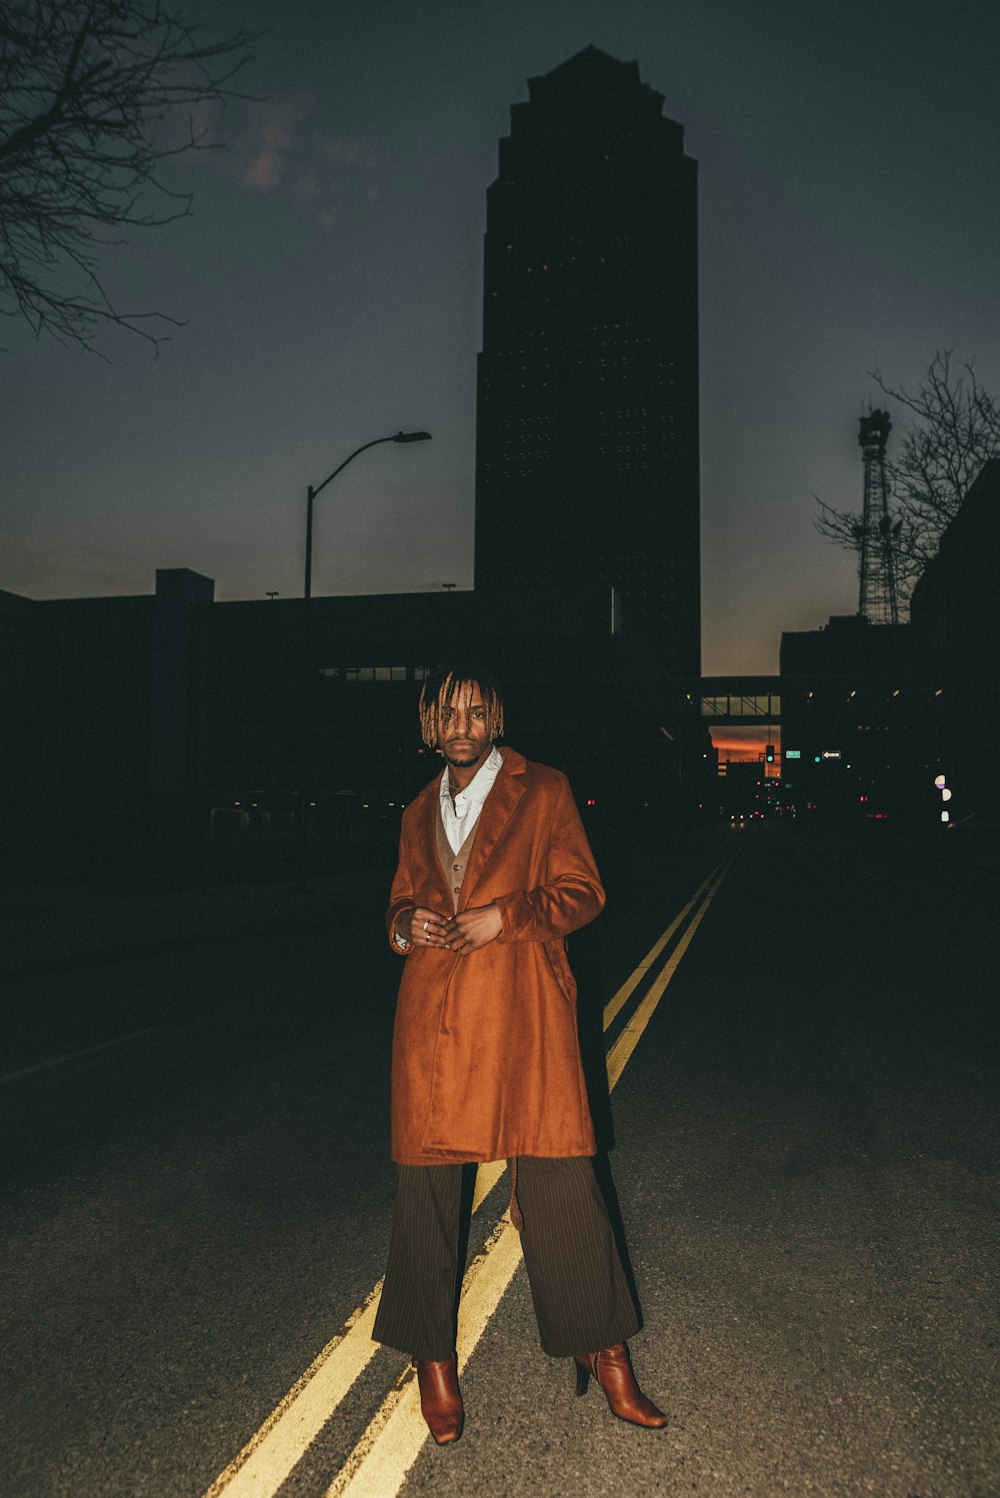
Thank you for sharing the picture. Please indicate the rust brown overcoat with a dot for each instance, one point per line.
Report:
(485, 1057)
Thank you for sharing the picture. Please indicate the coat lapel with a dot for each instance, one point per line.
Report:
(432, 816)
(508, 788)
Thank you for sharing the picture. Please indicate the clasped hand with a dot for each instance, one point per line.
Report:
(462, 933)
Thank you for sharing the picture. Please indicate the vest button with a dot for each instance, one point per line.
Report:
(457, 889)
(457, 867)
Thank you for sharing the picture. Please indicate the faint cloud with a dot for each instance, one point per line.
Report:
(306, 188)
(264, 173)
(279, 147)
(272, 140)
(357, 153)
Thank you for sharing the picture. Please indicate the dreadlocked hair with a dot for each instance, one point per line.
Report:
(451, 686)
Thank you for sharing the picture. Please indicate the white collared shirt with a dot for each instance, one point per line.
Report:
(460, 816)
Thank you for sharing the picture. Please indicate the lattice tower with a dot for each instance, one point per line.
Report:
(876, 534)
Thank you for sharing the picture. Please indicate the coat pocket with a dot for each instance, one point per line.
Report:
(555, 956)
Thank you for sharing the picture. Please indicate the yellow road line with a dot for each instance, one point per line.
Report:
(90, 1050)
(614, 1005)
(629, 1038)
(276, 1448)
(378, 1465)
(486, 1178)
(279, 1445)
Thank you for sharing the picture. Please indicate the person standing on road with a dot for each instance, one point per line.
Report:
(494, 872)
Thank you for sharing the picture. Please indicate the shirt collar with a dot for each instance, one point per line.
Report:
(481, 783)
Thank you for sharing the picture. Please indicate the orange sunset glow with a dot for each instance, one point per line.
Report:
(746, 745)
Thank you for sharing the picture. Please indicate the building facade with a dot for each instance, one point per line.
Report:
(954, 615)
(857, 709)
(587, 408)
(175, 716)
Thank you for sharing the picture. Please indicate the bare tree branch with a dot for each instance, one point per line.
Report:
(954, 427)
(88, 89)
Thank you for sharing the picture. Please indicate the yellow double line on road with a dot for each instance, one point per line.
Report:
(378, 1465)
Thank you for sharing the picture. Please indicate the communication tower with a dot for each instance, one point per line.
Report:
(876, 535)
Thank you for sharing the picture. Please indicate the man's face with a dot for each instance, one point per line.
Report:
(462, 728)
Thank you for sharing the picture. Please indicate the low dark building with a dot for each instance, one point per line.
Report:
(854, 713)
(111, 701)
(176, 715)
(875, 714)
(954, 616)
(567, 668)
(14, 635)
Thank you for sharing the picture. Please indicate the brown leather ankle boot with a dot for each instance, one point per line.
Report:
(612, 1368)
(440, 1400)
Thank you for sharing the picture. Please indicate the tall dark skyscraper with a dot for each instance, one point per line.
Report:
(587, 440)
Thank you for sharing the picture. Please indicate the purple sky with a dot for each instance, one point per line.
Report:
(331, 278)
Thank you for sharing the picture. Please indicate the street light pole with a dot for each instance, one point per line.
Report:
(305, 664)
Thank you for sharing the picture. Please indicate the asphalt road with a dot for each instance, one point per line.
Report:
(197, 1193)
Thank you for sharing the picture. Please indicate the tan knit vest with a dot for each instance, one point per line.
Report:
(454, 864)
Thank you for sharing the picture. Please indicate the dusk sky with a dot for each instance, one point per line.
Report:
(331, 279)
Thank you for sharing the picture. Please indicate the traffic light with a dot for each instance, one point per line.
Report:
(769, 753)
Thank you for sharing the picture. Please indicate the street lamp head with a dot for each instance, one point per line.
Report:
(412, 437)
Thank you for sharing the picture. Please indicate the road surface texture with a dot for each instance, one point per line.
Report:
(802, 1137)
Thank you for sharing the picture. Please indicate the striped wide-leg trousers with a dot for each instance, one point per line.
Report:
(579, 1290)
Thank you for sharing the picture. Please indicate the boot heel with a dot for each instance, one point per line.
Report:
(612, 1371)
